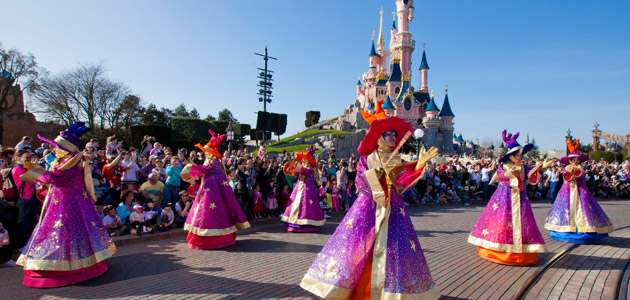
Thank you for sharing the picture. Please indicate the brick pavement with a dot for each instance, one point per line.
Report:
(268, 263)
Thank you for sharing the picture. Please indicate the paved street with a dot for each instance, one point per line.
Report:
(268, 263)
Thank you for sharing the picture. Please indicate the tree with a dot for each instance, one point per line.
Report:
(210, 118)
(226, 115)
(85, 93)
(130, 112)
(153, 115)
(180, 111)
(194, 113)
(18, 73)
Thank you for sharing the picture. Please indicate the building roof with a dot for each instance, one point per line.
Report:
(395, 74)
(388, 103)
(394, 25)
(422, 97)
(371, 107)
(424, 64)
(359, 82)
(446, 108)
(459, 138)
(381, 82)
(373, 51)
(432, 106)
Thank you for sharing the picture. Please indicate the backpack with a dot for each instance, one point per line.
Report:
(9, 189)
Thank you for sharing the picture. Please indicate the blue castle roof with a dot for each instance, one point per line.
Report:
(459, 138)
(395, 74)
(371, 107)
(424, 64)
(381, 82)
(432, 106)
(359, 82)
(394, 25)
(373, 51)
(388, 104)
(446, 108)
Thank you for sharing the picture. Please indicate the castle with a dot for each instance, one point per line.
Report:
(393, 85)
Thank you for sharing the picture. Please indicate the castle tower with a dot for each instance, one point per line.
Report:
(403, 45)
(381, 40)
(388, 107)
(447, 127)
(424, 69)
(395, 78)
(432, 124)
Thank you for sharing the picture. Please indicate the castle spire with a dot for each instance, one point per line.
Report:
(446, 107)
(381, 41)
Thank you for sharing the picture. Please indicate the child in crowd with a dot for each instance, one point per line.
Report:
(5, 248)
(112, 145)
(334, 194)
(272, 202)
(136, 219)
(259, 207)
(328, 195)
(168, 217)
(152, 216)
(112, 222)
(182, 207)
(193, 188)
(285, 195)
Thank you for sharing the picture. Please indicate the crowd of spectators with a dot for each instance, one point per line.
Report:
(140, 191)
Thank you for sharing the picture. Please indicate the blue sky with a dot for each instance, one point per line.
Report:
(537, 67)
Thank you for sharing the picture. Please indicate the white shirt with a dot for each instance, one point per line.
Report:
(179, 208)
(485, 174)
(108, 220)
(130, 174)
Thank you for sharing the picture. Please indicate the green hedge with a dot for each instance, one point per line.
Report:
(241, 130)
(312, 118)
(160, 132)
(191, 129)
(607, 156)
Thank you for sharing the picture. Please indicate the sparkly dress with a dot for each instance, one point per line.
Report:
(303, 213)
(506, 232)
(70, 243)
(575, 216)
(375, 252)
(215, 215)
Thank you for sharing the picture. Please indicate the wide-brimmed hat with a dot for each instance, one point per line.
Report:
(379, 124)
(69, 140)
(212, 146)
(308, 155)
(574, 152)
(513, 147)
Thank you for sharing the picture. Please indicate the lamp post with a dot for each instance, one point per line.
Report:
(229, 131)
(418, 134)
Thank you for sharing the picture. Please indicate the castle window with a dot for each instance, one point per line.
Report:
(396, 90)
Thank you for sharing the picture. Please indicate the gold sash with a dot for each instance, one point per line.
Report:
(515, 174)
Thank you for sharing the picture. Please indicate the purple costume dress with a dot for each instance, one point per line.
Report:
(506, 232)
(375, 252)
(575, 216)
(70, 243)
(215, 215)
(303, 213)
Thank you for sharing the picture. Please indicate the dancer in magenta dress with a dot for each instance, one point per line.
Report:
(375, 252)
(506, 232)
(303, 213)
(70, 243)
(575, 216)
(215, 215)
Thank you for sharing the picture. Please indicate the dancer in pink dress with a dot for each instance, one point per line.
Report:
(215, 215)
(70, 243)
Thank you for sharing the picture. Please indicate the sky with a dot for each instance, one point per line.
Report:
(539, 67)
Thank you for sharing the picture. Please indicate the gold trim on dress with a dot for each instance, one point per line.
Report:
(32, 174)
(242, 226)
(209, 232)
(305, 222)
(295, 205)
(515, 174)
(581, 229)
(527, 248)
(65, 265)
(324, 290)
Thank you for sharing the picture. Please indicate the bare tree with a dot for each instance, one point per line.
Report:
(85, 93)
(18, 73)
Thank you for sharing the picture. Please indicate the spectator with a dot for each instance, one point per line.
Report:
(173, 181)
(129, 169)
(153, 189)
(136, 219)
(112, 222)
(182, 207)
(5, 248)
(152, 212)
(27, 202)
(125, 208)
(168, 217)
(112, 146)
(25, 143)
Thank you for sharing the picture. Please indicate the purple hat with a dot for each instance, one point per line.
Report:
(513, 147)
(574, 153)
(69, 140)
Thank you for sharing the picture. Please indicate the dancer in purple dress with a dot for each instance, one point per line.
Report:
(575, 216)
(506, 232)
(215, 215)
(375, 252)
(303, 213)
(69, 244)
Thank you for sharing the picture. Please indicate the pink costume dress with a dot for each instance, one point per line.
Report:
(303, 213)
(272, 201)
(70, 243)
(575, 216)
(259, 206)
(215, 215)
(375, 252)
(506, 232)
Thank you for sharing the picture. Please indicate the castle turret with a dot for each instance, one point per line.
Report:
(388, 107)
(403, 44)
(381, 40)
(432, 110)
(375, 58)
(447, 127)
(424, 69)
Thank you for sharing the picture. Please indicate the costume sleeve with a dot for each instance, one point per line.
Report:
(534, 174)
(411, 175)
(196, 171)
(306, 171)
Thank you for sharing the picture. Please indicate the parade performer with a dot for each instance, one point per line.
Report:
(575, 216)
(506, 232)
(303, 213)
(375, 252)
(70, 243)
(215, 215)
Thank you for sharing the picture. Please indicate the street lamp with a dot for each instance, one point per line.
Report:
(418, 134)
(230, 136)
